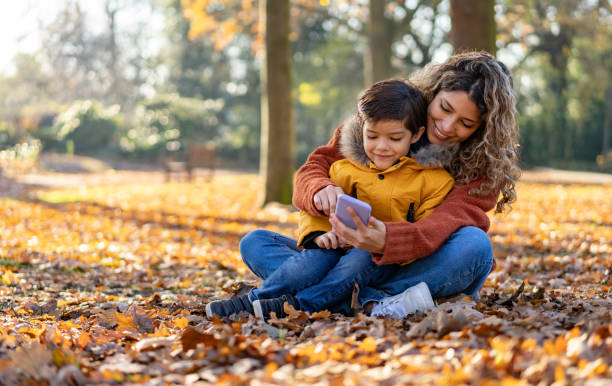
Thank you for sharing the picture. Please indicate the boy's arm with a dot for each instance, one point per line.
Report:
(408, 241)
(314, 174)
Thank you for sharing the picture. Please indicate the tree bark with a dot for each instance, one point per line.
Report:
(114, 89)
(607, 125)
(378, 53)
(472, 25)
(277, 156)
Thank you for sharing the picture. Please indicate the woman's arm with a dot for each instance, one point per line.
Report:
(403, 242)
(408, 241)
(314, 174)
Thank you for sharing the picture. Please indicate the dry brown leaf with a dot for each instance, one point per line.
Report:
(191, 337)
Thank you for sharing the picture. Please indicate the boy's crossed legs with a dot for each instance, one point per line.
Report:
(311, 279)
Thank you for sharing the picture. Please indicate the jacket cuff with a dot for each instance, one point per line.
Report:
(308, 241)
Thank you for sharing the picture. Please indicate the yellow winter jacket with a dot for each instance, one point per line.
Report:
(390, 192)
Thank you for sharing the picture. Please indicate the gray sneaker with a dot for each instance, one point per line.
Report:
(264, 307)
(230, 306)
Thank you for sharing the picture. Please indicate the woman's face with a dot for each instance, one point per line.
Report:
(451, 117)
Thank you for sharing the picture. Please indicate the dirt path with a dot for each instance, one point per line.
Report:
(554, 176)
(84, 171)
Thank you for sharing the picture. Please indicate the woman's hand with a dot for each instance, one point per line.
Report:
(326, 198)
(369, 238)
(328, 240)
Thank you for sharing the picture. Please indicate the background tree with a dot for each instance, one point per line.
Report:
(109, 65)
(199, 68)
(549, 32)
(472, 25)
(277, 156)
(277, 163)
(400, 36)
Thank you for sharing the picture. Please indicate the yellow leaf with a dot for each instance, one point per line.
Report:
(84, 338)
(559, 374)
(9, 278)
(125, 323)
(180, 322)
(368, 345)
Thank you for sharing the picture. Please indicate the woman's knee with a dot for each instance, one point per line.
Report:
(475, 245)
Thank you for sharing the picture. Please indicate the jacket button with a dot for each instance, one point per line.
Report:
(381, 177)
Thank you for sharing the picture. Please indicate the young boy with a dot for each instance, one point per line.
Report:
(377, 169)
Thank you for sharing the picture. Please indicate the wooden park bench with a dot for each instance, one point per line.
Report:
(197, 155)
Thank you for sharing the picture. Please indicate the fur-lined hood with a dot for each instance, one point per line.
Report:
(430, 156)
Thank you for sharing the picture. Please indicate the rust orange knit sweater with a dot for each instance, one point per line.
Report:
(405, 241)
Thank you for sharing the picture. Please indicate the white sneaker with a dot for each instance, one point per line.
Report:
(416, 298)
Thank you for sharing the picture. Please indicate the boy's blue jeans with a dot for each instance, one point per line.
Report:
(324, 279)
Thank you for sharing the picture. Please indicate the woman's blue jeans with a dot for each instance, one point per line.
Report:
(462, 264)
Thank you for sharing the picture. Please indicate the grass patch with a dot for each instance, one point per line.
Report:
(15, 264)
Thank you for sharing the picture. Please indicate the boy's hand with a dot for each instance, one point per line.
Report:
(326, 198)
(328, 240)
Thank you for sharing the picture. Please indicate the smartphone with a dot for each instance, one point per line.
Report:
(362, 209)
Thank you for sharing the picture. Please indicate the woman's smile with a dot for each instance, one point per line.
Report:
(438, 133)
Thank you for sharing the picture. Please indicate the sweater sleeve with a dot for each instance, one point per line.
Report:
(409, 241)
(314, 174)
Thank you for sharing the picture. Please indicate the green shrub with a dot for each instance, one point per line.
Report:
(169, 122)
(19, 157)
(87, 125)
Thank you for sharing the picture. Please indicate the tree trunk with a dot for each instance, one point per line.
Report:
(607, 125)
(472, 25)
(114, 89)
(378, 53)
(558, 46)
(277, 135)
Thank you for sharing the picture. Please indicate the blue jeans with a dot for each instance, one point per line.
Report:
(462, 264)
(317, 277)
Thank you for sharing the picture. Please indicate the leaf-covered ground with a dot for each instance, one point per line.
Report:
(108, 284)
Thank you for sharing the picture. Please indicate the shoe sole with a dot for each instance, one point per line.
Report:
(257, 309)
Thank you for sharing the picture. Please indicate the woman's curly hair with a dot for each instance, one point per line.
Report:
(491, 152)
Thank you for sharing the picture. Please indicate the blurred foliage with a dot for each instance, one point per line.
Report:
(168, 122)
(86, 126)
(18, 149)
(19, 157)
(328, 76)
(560, 54)
(563, 78)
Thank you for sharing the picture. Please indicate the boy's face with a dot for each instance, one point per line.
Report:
(387, 141)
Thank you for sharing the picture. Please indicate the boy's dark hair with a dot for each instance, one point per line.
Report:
(394, 99)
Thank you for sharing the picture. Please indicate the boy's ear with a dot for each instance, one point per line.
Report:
(417, 135)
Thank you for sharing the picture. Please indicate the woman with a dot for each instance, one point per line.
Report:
(470, 104)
